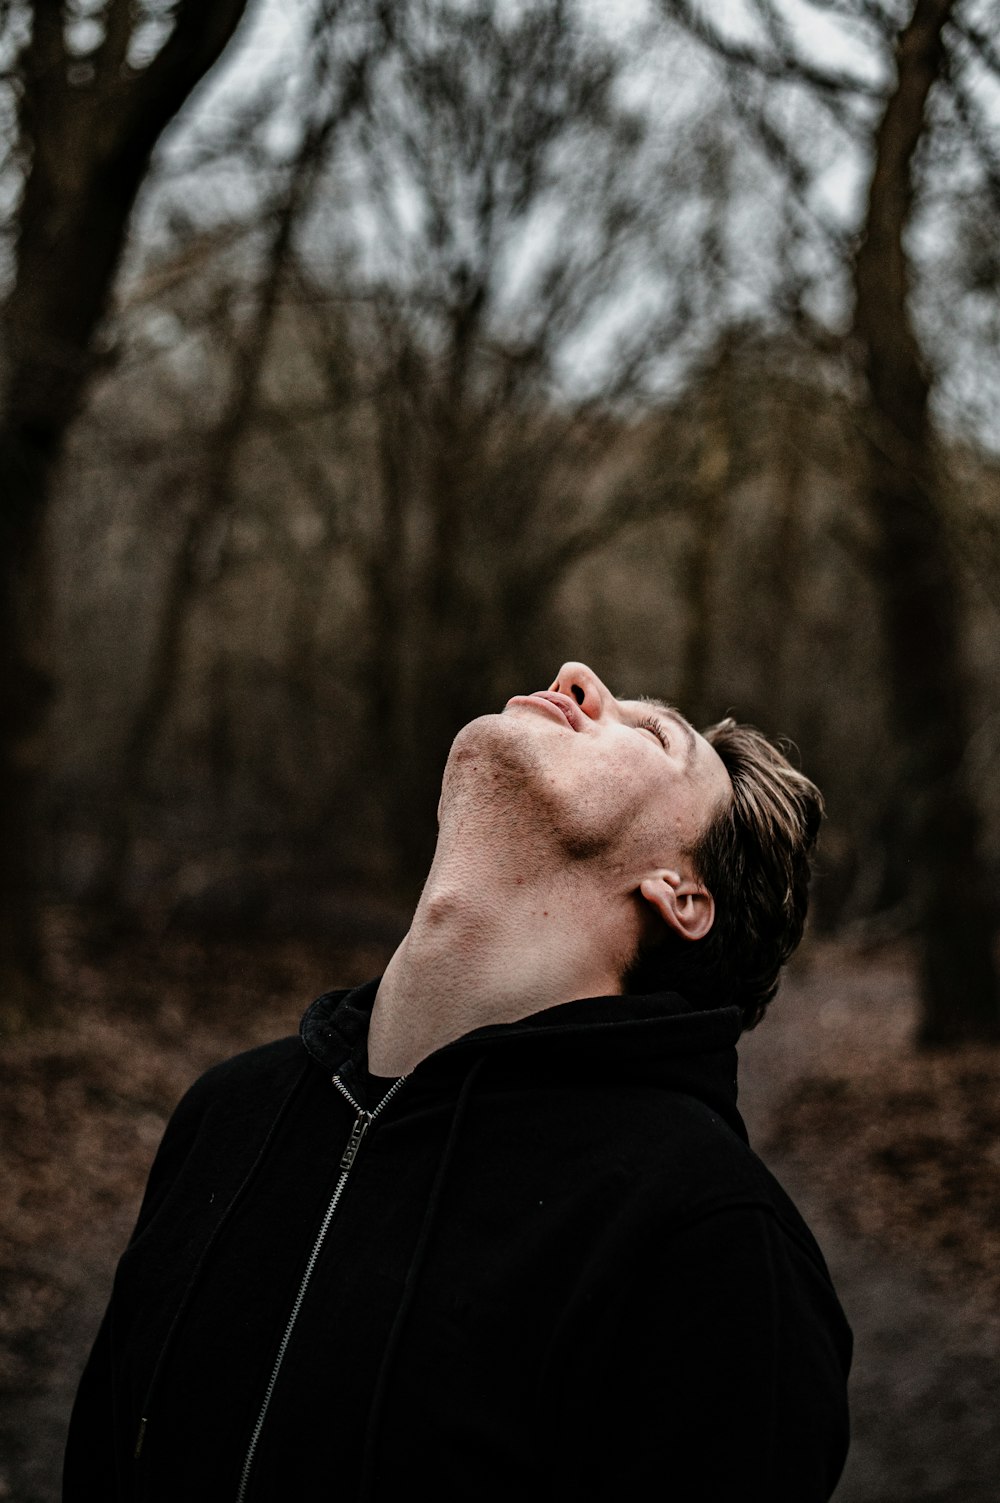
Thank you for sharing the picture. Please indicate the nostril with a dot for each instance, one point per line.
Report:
(577, 693)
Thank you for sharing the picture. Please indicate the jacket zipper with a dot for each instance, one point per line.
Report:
(362, 1121)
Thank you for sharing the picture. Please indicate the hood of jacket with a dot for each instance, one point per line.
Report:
(656, 1040)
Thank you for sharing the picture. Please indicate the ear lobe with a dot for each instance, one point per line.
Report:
(686, 905)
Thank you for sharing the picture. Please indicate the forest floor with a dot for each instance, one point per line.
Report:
(891, 1155)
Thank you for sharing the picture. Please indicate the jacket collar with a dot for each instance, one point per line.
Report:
(657, 1040)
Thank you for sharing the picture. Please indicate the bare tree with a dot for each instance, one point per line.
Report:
(916, 574)
(89, 117)
(912, 558)
(503, 189)
(332, 87)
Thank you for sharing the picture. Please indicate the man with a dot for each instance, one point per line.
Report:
(495, 1231)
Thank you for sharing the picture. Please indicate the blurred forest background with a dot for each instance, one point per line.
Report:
(434, 343)
(361, 361)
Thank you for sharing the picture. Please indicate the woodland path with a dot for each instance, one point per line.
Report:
(925, 1384)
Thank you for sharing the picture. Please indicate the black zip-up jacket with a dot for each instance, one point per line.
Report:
(545, 1265)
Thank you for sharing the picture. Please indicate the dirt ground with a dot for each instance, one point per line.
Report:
(892, 1157)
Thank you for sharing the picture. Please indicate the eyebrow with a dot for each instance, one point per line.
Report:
(676, 717)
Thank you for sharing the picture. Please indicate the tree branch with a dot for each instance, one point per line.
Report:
(780, 67)
(982, 44)
(152, 95)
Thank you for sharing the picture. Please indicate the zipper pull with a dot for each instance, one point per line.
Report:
(140, 1438)
(354, 1142)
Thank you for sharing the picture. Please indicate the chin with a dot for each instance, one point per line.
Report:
(514, 767)
(496, 758)
(493, 737)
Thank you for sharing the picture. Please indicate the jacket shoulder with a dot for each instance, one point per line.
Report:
(226, 1115)
(266, 1067)
(690, 1163)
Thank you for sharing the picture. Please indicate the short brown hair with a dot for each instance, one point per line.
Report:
(754, 857)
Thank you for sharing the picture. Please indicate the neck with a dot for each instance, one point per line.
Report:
(491, 942)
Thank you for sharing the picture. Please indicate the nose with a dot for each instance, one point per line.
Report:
(585, 687)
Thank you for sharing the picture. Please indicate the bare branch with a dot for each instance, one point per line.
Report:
(779, 151)
(877, 15)
(976, 131)
(784, 67)
(152, 96)
(982, 44)
(109, 63)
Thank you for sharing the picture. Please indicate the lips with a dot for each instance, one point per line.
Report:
(561, 705)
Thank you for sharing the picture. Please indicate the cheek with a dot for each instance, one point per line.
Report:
(626, 785)
(686, 818)
(674, 820)
(639, 804)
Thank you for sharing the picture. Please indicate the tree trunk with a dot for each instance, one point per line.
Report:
(916, 579)
(90, 130)
(218, 491)
(24, 693)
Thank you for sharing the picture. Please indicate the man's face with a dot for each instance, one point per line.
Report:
(626, 781)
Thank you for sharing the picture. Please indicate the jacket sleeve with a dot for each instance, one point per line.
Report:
(717, 1368)
(96, 1451)
(89, 1466)
(215, 1136)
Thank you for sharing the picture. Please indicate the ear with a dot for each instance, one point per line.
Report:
(686, 905)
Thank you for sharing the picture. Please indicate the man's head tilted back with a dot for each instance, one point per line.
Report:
(701, 843)
(754, 855)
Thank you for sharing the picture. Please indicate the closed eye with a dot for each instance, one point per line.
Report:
(650, 723)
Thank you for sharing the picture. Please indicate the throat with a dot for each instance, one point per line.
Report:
(475, 955)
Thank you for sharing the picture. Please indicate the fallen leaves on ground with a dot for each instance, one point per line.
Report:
(911, 1157)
